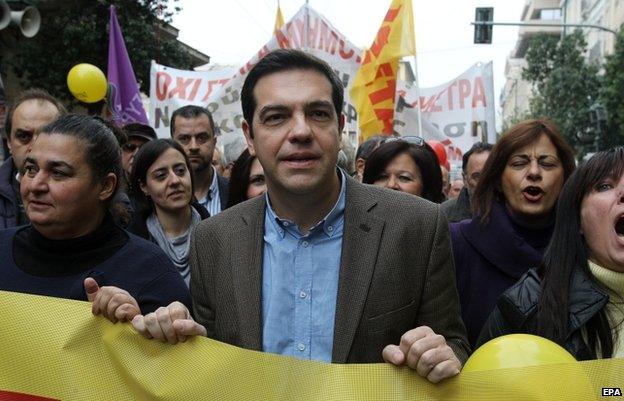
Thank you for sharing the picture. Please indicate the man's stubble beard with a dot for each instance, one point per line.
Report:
(200, 169)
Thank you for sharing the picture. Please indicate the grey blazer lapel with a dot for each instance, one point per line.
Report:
(247, 274)
(360, 245)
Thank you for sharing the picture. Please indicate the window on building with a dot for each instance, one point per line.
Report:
(550, 14)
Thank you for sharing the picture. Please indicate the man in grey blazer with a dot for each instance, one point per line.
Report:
(323, 267)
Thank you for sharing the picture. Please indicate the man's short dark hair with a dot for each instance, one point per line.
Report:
(30, 94)
(140, 130)
(192, 111)
(478, 147)
(287, 60)
(367, 147)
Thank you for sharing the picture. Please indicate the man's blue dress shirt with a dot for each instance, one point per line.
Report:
(300, 284)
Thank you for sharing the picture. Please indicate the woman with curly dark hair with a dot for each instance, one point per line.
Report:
(406, 164)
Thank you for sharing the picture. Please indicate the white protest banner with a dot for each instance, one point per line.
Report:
(460, 112)
(171, 89)
(457, 113)
(219, 90)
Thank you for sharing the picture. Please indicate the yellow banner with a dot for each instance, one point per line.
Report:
(374, 85)
(55, 348)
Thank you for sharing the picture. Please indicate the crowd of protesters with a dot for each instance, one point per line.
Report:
(297, 256)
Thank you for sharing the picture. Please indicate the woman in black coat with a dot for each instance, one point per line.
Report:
(576, 297)
(72, 247)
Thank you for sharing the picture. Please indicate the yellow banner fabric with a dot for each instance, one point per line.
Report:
(55, 348)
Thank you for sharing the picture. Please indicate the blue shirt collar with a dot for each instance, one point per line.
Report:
(328, 224)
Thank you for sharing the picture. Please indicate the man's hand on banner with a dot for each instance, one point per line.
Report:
(113, 303)
(172, 323)
(426, 352)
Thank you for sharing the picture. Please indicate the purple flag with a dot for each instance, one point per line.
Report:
(124, 99)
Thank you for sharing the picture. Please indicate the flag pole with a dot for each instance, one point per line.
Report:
(416, 82)
(307, 28)
(418, 114)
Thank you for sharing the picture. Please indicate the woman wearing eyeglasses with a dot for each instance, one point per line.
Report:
(162, 184)
(405, 164)
(514, 204)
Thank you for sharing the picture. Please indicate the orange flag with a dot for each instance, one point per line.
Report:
(374, 85)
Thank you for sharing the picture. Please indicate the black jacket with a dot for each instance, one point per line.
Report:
(9, 201)
(516, 311)
(457, 209)
(490, 258)
(224, 190)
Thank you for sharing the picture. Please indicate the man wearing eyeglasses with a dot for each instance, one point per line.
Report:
(193, 128)
(33, 109)
(138, 135)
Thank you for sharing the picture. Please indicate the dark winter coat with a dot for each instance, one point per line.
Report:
(490, 258)
(457, 209)
(517, 307)
(9, 201)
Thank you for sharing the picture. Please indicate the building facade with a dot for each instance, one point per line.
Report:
(514, 98)
(516, 93)
(607, 13)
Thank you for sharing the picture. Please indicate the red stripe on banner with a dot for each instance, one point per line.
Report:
(11, 396)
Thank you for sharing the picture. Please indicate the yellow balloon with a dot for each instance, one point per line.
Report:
(511, 363)
(516, 351)
(87, 83)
